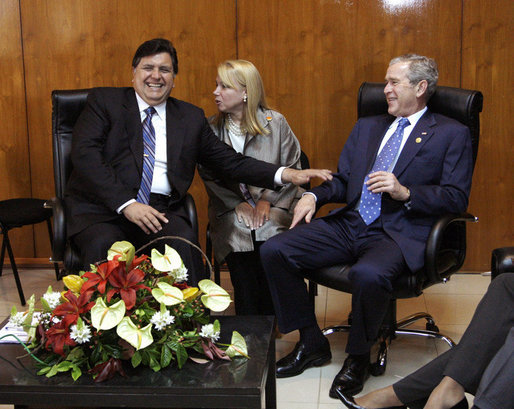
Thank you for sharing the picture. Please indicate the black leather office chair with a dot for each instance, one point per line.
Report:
(21, 212)
(446, 245)
(66, 108)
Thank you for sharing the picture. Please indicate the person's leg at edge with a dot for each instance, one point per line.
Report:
(491, 321)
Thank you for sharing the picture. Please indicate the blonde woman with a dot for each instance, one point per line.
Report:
(243, 217)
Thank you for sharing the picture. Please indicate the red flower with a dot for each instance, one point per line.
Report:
(57, 336)
(71, 310)
(126, 284)
(100, 277)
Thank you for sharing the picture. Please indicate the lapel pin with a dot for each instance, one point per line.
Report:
(268, 118)
(423, 133)
(418, 140)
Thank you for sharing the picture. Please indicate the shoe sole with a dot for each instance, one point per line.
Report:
(316, 362)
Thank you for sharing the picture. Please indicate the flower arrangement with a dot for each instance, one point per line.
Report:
(128, 308)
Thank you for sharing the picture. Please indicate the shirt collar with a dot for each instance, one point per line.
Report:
(413, 119)
(160, 109)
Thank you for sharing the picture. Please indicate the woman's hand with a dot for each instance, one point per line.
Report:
(261, 213)
(244, 212)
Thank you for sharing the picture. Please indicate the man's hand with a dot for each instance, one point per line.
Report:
(244, 212)
(146, 217)
(300, 177)
(305, 209)
(386, 182)
(261, 213)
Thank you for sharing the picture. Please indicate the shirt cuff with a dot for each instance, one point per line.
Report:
(310, 193)
(120, 209)
(278, 176)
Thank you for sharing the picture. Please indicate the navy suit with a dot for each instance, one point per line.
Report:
(107, 158)
(435, 164)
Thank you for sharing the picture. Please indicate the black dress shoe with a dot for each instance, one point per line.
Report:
(350, 379)
(349, 402)
(298, 360)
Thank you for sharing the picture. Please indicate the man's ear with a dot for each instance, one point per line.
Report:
(421, 88)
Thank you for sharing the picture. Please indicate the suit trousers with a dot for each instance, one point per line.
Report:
(466, 362)
(377, 261)
(94, 241)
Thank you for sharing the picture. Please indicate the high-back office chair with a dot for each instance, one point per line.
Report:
(446, 245)
(18, 213)
(66, 108)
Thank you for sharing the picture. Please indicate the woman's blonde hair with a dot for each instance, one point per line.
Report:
(242, 74)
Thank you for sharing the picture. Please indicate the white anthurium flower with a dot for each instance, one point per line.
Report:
(139, 338)
(215, 298)
(169, 261)
(237, 346)
(124, 249)
(104, 317)
(167, 294)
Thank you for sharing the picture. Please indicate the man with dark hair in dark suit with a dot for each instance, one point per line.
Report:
(134, 154)
(397, 173)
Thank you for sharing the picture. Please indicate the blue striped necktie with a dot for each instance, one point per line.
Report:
(370, 205)
(143, 196)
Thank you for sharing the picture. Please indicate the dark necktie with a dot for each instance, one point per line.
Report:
(370, 204)
(143, 196)
(246, 194)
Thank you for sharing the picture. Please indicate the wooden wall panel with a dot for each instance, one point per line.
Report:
(313, 56)
(487, 65)
(14, 157)
(81, 44)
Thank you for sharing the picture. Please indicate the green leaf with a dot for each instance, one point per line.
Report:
(76, 373)
(64, 366)
(181, 355)
(167, 294)
(215, 298)
(44, 370)
(168, 261)
(136, 359)
(237, 346)
(154, 364)
(139, 338)
(52, 372)
(166, 356)
(104, 317)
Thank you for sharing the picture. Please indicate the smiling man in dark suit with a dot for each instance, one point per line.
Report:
(134, 154)
(397, 173)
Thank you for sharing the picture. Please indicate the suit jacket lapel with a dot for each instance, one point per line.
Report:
(134, 128)
(175, 135)
(376, 133)
(421, 133)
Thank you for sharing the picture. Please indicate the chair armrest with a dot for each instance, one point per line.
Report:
(189, 204)
(435, 245)
(59, 228)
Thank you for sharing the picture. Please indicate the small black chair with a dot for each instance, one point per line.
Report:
(446, 246)
(66, 108)
(18, 213)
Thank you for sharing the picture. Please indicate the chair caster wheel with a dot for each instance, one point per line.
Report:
(432, 327)
(376, 369)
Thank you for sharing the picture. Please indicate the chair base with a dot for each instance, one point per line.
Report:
(388, 334)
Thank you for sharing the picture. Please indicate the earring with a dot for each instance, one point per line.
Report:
(244, 98)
